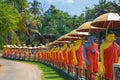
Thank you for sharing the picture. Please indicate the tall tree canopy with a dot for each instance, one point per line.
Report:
(29, 24)
(9, 18)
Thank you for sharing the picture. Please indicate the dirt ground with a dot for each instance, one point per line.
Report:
(12, 70)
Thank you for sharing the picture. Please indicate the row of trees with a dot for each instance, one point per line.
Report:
(23, 22)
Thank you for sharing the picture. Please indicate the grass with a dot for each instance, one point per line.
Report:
(48, 73)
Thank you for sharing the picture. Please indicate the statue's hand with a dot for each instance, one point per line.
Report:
(101, 68)
(75, 61)
(92, 51)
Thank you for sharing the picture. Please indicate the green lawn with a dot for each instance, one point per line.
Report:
(48, 73)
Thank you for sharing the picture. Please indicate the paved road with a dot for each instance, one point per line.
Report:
(12, 70)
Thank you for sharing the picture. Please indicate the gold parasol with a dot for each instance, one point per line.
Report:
(57, 43)
(74, 33)
(67, 38)
(86, 27)
(107, 20)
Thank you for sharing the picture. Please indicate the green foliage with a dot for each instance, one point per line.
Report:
(58, 23)
(9, 18)
(20, 5)
(32, 26)
(35, 8)
(101, 8)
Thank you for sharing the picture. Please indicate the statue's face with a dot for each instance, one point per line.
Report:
(78, 42)
(65, 45)
(91, 39)
(110, 37)
(71, 45)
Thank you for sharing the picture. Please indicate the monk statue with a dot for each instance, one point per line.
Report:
(65, 62)
(35, 54)
(60, 57)
(56, 56)
(30, 53)
(91, 57)
(79, 58)
(51, 56)
(109, 53)
(71, 59)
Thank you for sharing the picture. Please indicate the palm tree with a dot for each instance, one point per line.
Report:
(27, 27)
(36, 8)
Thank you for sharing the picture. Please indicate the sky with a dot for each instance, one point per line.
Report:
(73, 7)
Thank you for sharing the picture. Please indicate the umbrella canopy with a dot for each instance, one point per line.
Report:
(108, 20)
(67, 38)
(74, 33)
(11, 46)
(56, 43)
(15, 46)
(4, 46)
(86, 27)
(30, 47)
(62, 42)
(43, 46)
(51, 44)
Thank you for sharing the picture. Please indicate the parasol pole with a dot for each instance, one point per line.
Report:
(107, 29)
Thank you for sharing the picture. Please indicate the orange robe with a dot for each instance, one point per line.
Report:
(111, 55)
(39, 56)
(16, 53)
(35, 56)
(8, 53)
(51, 57)
(25, 54)
(70, 61)
(47, 56)
(70, 58)
(93, 60)
(42, 56)
(30, 55)
(4, 52)
(60, 58)
(49, 60)
(11, 53)
(20, 54)
(65, 56)
(57, 58)
(80, 60)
